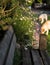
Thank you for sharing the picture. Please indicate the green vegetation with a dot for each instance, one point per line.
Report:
(18, 14)
(48, 43)
(23, 23)
(7, 8)
(40, 1)
(49, 17)
(48, 39)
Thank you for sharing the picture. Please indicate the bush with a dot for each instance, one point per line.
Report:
(7, 8)
(17, 14)
(23, 24)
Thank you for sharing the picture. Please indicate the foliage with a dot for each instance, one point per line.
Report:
(49, 17)
(48, 43)
(29, 2)
(17, 13)
(7, 8)
(23, 23)
(40, 1)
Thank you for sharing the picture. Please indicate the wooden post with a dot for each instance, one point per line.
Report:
(43, 42)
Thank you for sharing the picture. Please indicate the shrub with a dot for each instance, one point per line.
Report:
(7, 8)
(16, 13)
(23, 24)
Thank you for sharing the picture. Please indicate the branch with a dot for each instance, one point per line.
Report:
(10, 9)
(3, 4)
(7, 12)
